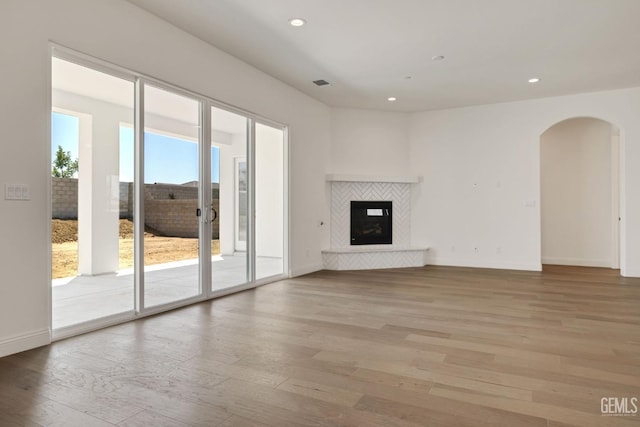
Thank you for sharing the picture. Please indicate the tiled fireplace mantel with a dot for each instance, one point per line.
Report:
(336, 177)
(347, 188)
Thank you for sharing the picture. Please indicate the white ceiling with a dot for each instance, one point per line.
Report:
(80, 80)
(366, 48)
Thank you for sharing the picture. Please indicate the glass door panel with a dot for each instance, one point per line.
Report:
(91, 194)
(229, 175)
(269, 201)
(206, 187)
(171, 196)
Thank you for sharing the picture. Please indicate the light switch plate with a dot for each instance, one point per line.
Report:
(17, 192)
(25, 192)
(10, 192)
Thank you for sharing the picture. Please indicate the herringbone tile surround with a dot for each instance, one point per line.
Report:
(395, 255)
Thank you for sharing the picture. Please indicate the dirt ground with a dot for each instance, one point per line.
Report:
(157, 249)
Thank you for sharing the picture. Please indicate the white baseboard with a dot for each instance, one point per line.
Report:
(630, 272)
(301, 271)
(25, 342)
(457, 262)
(606, 263)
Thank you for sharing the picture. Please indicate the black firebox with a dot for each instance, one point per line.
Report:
(371, 223)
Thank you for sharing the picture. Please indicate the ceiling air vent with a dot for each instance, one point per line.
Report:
(320, 82)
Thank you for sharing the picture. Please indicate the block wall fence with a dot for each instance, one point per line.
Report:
(170, 209)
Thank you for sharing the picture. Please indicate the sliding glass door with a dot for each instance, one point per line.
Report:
(171, 196)
(92, 163)
(229, 139)
(160, 197)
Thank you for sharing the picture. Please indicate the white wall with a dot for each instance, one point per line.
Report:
(269, 192)
(481, 168)
(576, 193)
(120, 33)
(367, 142)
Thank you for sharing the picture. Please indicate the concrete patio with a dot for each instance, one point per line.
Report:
(84, 298)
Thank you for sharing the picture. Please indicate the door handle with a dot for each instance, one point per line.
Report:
(213, 210)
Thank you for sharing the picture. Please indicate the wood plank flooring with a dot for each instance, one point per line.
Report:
(433, 346)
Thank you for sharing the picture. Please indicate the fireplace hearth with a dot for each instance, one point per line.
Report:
(378, 248)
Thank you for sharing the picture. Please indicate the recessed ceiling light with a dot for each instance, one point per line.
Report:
(437, 58)
(297, 22)
(391, 98)
(534, 80)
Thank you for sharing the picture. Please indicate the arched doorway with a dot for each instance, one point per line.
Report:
(580, 193)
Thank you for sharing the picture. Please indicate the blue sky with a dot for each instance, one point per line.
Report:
(167, 160)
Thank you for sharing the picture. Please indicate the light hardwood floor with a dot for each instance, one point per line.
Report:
(431, 346)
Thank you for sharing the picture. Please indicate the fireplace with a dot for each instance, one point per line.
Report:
(365, 253)
(371, 223)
